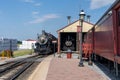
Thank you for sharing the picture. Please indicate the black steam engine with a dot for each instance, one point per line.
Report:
(44, 43)
(68, 41)
(69, 44)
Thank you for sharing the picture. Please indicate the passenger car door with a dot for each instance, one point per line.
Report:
(118, 30)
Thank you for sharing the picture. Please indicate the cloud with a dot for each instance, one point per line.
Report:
(35, 12)
(44, 18)
(29, 1)
(33, 2)
(37, 4)
(95, 4)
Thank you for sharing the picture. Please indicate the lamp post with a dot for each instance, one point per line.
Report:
(32, 47)
(81, 19)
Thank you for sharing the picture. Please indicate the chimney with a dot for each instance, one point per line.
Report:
(88, 18)
(68, 17)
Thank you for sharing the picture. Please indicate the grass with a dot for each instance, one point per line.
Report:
(22, 52)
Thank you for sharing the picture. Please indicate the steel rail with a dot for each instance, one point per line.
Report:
(18, 63)
(25, 67)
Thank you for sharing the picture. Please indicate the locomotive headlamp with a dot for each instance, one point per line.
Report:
(42, 39)
(82, 15)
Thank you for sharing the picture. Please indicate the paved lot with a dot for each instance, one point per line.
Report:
(54, 68)
(68, 69)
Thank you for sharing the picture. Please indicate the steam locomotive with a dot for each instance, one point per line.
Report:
(44, 44)
(68, 44)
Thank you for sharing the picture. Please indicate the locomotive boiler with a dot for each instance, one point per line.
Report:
(44, 43)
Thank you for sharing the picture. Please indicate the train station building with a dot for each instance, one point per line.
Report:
(70, 33)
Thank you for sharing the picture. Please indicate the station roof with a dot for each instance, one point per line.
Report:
(72, 27)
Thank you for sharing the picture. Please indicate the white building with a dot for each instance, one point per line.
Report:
(27, 44)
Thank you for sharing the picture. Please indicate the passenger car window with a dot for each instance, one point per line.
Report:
(119, 18)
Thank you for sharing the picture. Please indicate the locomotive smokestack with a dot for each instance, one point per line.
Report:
(43, 31)
(88, 18)
(68, 17)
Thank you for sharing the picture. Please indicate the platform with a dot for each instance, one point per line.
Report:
(54, 68)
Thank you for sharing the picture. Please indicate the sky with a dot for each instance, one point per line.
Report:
(24, 19)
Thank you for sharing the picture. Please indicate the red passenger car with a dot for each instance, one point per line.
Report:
(104, 38)
(107, 34)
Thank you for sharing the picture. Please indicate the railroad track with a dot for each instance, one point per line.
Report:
(14, 70)
(12, 62)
